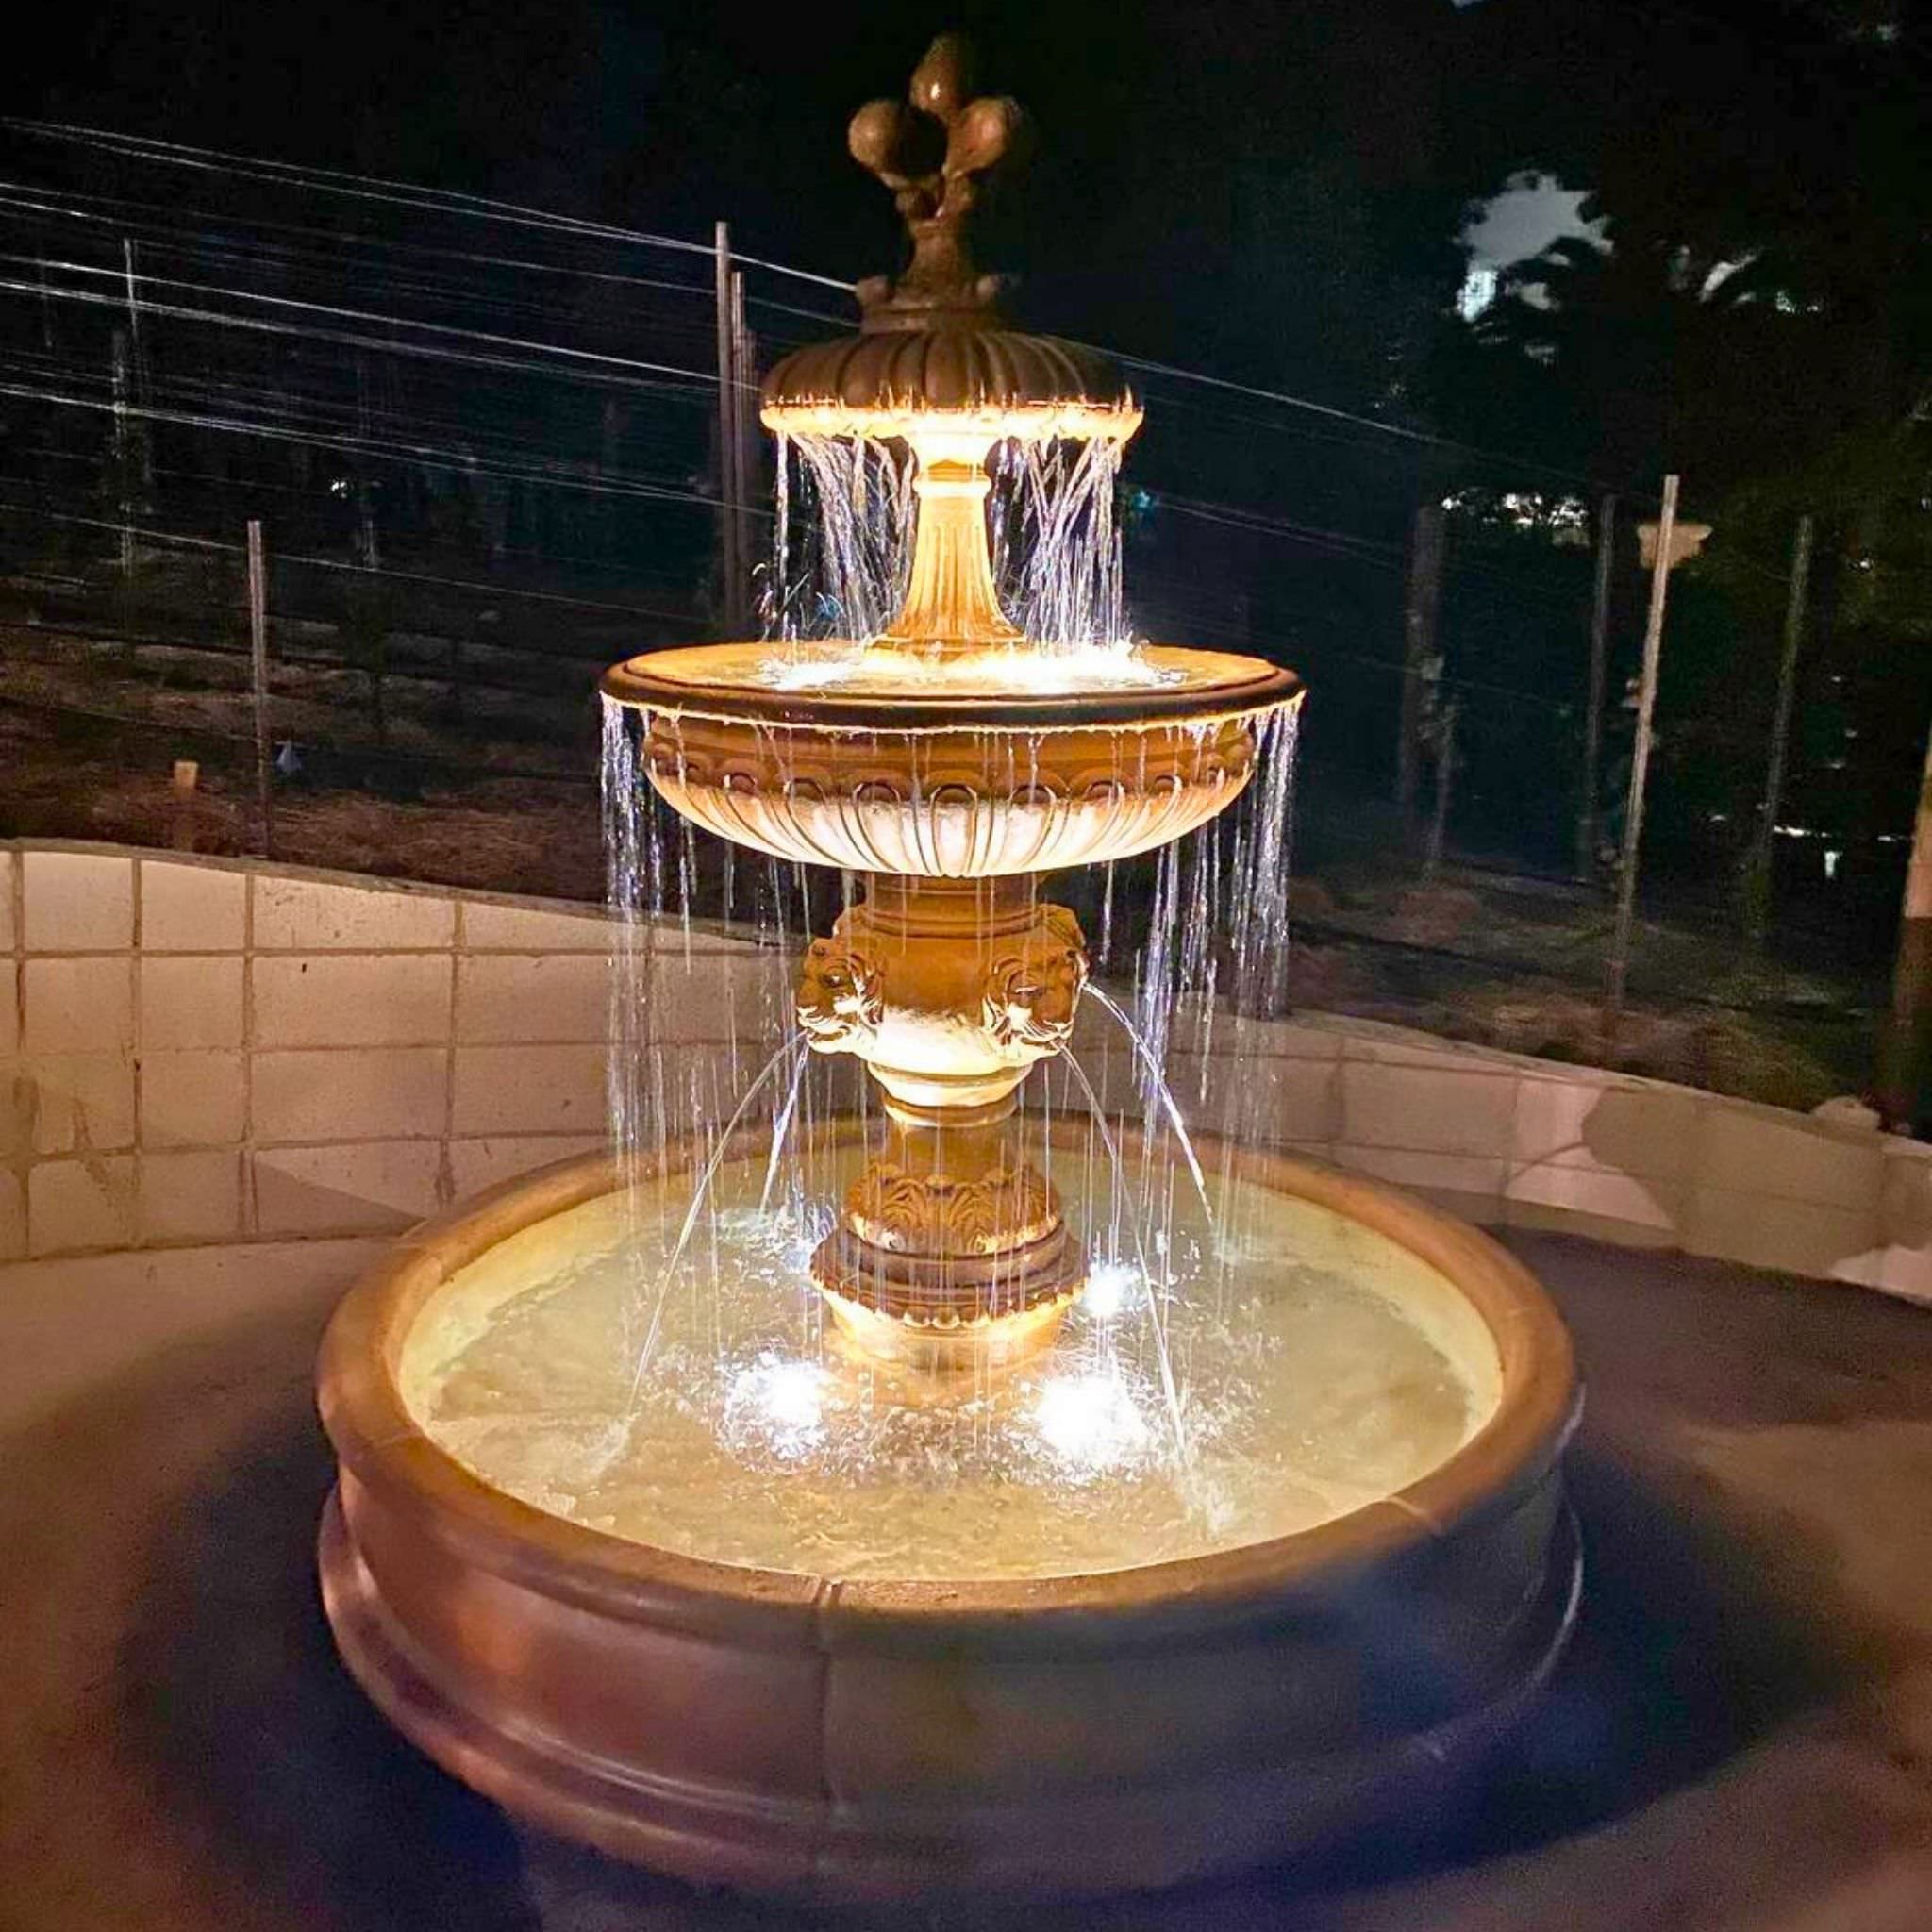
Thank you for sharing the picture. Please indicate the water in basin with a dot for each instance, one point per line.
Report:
(1318, 1365)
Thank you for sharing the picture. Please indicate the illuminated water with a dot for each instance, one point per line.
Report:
(1329, 1367)
(843, 523)
(1021, 671)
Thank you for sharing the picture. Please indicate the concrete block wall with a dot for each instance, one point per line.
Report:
(1507, 1141)
(206, 1051)
(200, 1052)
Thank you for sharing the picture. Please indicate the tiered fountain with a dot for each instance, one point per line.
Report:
(909, 1549)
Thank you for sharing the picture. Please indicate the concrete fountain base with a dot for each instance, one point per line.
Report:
(905, 1737)
(1739, 1735)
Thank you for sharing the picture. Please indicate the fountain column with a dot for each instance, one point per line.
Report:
(951, 607)
(951, 1248)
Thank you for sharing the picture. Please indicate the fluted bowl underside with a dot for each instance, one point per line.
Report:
(827, 753)
(908, 1738)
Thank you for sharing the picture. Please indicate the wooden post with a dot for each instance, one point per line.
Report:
(365, 496)
(257, 636)
(1418, 654)
(1758, 876)
(1593, 706)
(731, 563)
(455, 654)
(1445, 738)
(181, 830)
(1639, 756)
(1906, 1051)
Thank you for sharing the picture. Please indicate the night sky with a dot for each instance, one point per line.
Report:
(1227, 182)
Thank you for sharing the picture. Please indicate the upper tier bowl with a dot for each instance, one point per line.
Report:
(1024, 762)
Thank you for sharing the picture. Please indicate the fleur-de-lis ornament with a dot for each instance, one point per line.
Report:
(936, 151)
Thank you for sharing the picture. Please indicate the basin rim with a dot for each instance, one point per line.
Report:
(383, 1449)
(1248, 686)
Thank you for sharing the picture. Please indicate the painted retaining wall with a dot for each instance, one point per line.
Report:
(208, 1052)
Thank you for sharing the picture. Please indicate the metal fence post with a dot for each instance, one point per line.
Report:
(1640, 758)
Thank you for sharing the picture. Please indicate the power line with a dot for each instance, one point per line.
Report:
(451, 201)
(1396, 431)
(463, 463)
(374, 187)
(180, 311)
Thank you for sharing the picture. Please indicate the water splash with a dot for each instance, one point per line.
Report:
(1158, 1099)
(841, 540)
(700, 1201)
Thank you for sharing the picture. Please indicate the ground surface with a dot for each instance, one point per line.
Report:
(1741, 1738)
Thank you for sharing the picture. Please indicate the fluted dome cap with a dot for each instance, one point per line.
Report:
(933, 343)
(1016, 384)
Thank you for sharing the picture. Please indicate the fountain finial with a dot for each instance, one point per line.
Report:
(937, 151)
(933, 349)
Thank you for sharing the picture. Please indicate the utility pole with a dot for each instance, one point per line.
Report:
(124, 460)
(1593, 708)
(1640, 758)
(257, 636)
(1758, 868)
(744, 418)
(1419, 659)
(365, 496)
(140, 353)
(729, 492)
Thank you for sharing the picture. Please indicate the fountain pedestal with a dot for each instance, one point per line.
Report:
(951, 1248)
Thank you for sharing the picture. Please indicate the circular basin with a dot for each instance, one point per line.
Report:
(749, 1628)
(984, 764)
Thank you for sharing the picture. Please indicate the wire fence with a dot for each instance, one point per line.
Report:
(484, 444)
